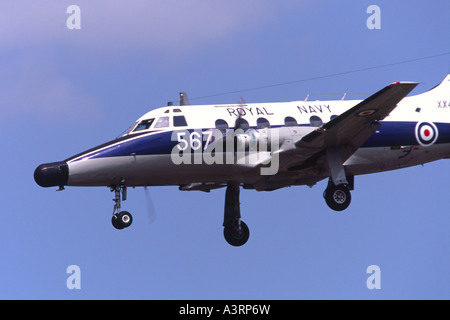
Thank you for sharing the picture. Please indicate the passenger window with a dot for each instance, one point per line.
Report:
(333, 117)
(262, 123)
(243, 124)
(162, 122)
(179, 121)
(222, 125)
(290, 122)
(315, 121)
(144, 125)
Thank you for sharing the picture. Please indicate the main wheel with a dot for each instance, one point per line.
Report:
(338, 197)
(122, 220)
(236, 236)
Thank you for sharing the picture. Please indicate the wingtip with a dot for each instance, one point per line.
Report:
(404, 83)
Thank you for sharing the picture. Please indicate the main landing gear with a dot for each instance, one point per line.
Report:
(236, 232)
(120, 219)
(337, 197)
(337, 194)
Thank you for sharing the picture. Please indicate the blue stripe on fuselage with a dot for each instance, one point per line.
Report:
(403, 134)
(389, 134)
(159, 143)
(392, 134)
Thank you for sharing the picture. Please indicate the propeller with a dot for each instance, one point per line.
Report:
(239, 121)
(151, 212)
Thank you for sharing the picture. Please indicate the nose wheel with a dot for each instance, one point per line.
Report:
(120, 219)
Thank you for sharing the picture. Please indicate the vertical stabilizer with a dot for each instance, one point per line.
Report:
(442, 90)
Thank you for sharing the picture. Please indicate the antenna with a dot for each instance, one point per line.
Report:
(184, 100)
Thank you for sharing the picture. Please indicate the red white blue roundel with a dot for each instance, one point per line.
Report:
(426, 133)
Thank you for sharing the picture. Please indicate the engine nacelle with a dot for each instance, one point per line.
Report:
(267, 139)
(247, 140)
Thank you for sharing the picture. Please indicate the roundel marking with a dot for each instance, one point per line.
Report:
(366, 113)
(426, 133)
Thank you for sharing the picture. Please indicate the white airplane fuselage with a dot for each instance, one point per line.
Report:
(265, 146)
(144, 157)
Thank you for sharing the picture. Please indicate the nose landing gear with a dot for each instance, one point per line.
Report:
(120, 219)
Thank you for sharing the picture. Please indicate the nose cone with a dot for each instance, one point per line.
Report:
(53, 174)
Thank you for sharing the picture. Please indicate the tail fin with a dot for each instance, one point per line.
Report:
(436, 102)
(442, 90)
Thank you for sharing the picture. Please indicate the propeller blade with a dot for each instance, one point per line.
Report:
(239, 121)
(151, 212)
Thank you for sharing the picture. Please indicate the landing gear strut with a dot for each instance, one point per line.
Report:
(236, 232)
(120, 219)
(337, 194)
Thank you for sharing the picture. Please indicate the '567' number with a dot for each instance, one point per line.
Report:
(194, 139)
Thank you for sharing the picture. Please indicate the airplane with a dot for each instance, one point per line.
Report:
(264, 146)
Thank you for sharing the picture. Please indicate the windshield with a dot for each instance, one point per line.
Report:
(138, 126)
(144, 125)
(163, 122)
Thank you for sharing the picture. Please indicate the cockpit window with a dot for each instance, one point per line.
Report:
(162, 122)
(179, 121)
(144, 125)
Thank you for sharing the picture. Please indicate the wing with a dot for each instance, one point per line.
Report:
(355, 126)
(338, 139)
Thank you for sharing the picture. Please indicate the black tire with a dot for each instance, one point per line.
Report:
(122, 220)
(338, 197)
(115, 222)
(236, 237)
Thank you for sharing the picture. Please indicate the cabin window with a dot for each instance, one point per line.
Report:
(222, 125)
(176, 110)
(242, 124)
(333, 117)
(315, 121)
(144, 125)
(290, 122)
(163, 122)
(179, 121)
(262, 123)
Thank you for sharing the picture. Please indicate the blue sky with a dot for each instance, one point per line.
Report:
(63, 91)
